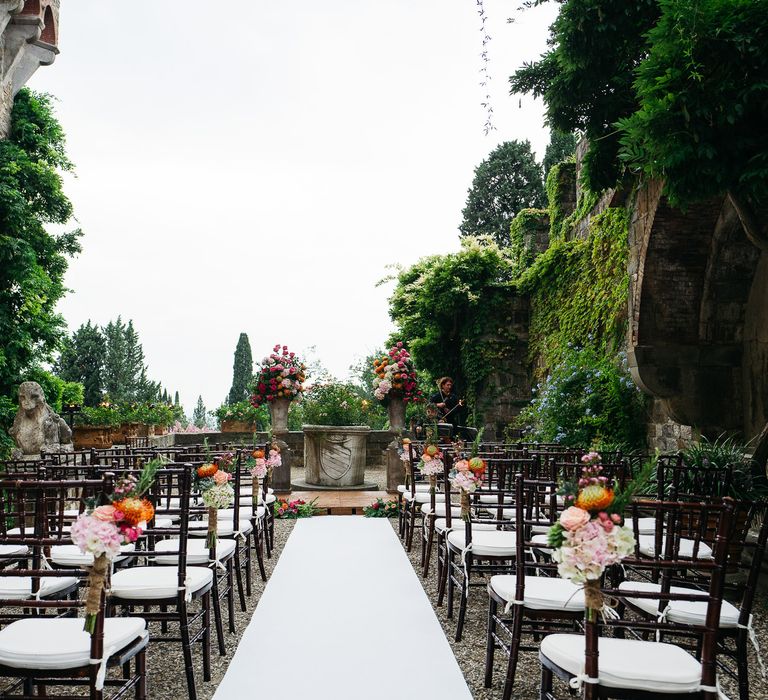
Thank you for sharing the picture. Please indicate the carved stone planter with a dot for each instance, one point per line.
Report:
(87, 436)
(334, 456)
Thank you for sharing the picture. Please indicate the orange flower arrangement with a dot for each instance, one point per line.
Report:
(207, 470)
(133, 509)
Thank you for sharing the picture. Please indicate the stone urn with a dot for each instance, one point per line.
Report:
(88, 436)
(334, 456)
(396, 412)
(278, 412)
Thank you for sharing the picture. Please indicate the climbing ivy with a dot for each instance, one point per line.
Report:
(560, 176)
(579, 291)
(522, 235)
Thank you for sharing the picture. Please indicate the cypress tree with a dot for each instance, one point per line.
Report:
(242, 371)
(198, 417)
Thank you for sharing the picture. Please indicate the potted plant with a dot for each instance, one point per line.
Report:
(240, 417)
(395, 384)
(280, 379)
(335, 436)
(96, 424)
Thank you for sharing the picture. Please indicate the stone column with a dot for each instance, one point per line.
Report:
(281, 477)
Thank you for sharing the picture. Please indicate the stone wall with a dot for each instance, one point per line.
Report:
(664, 434)
(28, 39)
(377, 443)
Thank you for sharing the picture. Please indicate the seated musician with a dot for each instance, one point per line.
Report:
(447, 403)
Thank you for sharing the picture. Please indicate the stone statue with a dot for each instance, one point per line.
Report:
(36, 426)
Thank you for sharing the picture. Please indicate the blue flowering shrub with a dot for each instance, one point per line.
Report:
(588, 399)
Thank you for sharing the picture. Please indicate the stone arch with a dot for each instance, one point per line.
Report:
(697, 309)
(49, 28)
(31, 7)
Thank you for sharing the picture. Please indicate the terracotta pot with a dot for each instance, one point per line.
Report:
(142, 430)
(87, 436)
(278, 412)
(158, 430)
(237, 426)
(130, 429)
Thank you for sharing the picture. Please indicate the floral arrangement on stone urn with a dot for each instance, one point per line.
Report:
(102, 530)
(279, 379)
(395, 383)
(590, 535)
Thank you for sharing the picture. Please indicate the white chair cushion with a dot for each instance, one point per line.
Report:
(645, 526)
(458, 522)
(271, 498)
(628, 663)
(164, 522)
(13, 550)
(489, 543)
(224, 528)
(440, 509)
(689, 612)
(20, 588)
(542, 593)
(419, 487)
(493, 498)
(647, 547)
(246, 513)
(144, 582)
(424, 497)
(70, 555)
(58, 643)
(197, 552)
(168, 503)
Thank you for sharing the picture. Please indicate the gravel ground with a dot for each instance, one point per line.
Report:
(165, 666)
(470, 652)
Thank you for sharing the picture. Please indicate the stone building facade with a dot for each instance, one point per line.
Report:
(29, 37)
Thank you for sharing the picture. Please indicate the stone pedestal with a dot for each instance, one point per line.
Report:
(334, 456)
(395, 467)
(396, 412)
(281, 477)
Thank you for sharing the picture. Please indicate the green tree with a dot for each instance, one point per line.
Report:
(82, 360)
(33, 261)
(703, 96)
(508, 180)
(454, 311)
(176, 399)
(562, 145)
(200, 417)
(242, 371)
(586, 77)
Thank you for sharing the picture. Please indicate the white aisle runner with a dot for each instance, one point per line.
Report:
(344, 616)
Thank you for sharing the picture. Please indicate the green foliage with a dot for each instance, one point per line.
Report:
(506, 182)
(336, 403)
(32, 260)
(588, 397)
(242, 372)
(244, 411)
(746, 482)
(296, 508)
(82, 360)
(108, 415)
(454, 309)
(7, 414)
(381, 509)
(523, 232)
(579, 290)
(72, 394)
(586, 77)
(561, 175)
(125, 373)
(199, 416)
(561, 147)
(703, 90)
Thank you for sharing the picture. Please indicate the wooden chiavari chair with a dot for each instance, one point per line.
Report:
(629, 665)
(42, 641)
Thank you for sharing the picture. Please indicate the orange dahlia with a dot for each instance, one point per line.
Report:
(149, 510)
(207, 470)
(476, 465)
(594, 497)
(132, 509)
(431, 450)
(257, 454)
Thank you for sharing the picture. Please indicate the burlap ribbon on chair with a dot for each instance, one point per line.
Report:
(97, 577)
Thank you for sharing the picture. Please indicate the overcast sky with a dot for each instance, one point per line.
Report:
(256, 170)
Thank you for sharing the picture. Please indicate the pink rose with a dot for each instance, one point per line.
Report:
(221, 477)
(573, 518)
(107, 514)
